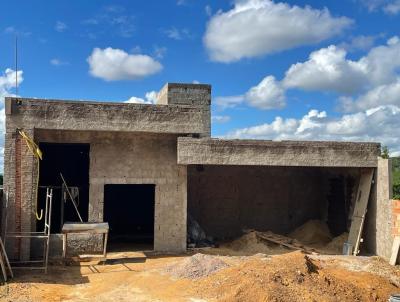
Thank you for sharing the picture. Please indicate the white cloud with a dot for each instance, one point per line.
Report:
(225, 102)
(391, 7)
(361, 42)
(136, 100)
(254, 28)
(387, 94)
(150, 98)
(220, 119)
(14, 31)
(60, 26)
(58, 62)
(377, 124)
(7, 83)
(370, 81)
(268, 94)
(177, 34)
(112, 64)
(208, 10)
(159, 52)
(327, 69)
(114, 20)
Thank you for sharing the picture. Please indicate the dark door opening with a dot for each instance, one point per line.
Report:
(72, 160)
(129, 210)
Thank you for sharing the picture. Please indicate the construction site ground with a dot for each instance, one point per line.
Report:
(253, 271)
(304, 265)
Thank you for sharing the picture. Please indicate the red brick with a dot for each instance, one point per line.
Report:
(396, 204)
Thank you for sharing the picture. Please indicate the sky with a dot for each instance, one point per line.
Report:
(309, 70)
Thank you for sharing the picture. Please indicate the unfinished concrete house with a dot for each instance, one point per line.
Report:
(145, 169)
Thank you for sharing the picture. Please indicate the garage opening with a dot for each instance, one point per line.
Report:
(129, 210)
(72, 160)
(309, 204)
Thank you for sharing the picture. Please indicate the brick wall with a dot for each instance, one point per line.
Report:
(18, 197)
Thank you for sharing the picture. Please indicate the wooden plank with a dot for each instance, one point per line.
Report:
(85, 227)
(395, 250)
(360, 209)
(286, 242)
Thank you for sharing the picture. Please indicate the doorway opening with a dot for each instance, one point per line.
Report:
(129, 211)
(72, 161)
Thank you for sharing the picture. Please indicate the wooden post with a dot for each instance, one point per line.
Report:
(360, 209)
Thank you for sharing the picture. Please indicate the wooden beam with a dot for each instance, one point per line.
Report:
(360, 209)
(395, 250)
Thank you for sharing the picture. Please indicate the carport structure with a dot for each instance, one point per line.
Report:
(278, 185)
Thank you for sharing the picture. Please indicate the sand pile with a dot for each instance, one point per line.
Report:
(291, 277)
(312, 232)
(336, 245)
(196, 266)
(248, 243)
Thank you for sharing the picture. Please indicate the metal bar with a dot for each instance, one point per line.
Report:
(28, 267)
(25, 233)
(48, 229)
(29, 236)
(26, 261)
(72, 199)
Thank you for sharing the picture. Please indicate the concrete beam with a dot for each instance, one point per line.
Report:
(87, 116)
(207, 151)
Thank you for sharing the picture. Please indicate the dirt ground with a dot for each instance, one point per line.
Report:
(248, 268)
(136, 276)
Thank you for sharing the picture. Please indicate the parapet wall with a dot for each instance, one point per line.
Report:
(208, 151)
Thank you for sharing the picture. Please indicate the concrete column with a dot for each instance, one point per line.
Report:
(384, 238)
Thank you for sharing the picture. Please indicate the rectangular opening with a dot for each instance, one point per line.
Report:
(129, 210)
(72, 160)
(227, 201)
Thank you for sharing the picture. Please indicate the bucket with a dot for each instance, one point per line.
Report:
(347, 249)
(394, 298)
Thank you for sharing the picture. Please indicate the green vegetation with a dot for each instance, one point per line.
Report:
(396, 177)
(385, 152)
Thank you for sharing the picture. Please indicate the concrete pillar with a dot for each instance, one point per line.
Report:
(188, 94)
(384, 237)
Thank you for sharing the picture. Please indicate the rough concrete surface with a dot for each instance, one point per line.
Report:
(208, 151)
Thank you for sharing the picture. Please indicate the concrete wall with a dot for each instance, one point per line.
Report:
(190, 118)
(227, 199)
(188, 95)
(92, 116)
(276, 153)
(128, 158)
(378, 226)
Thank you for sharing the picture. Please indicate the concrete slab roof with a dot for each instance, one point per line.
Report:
(105, 116)
(207, 151)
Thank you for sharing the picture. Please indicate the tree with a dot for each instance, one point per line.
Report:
(385, 152)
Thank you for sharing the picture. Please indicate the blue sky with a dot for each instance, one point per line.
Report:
(314, 70)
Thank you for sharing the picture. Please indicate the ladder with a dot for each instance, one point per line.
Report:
(43, 235)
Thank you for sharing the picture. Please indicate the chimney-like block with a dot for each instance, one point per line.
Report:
(185, 94)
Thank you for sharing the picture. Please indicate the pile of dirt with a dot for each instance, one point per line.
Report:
(291, 277)
(336, 245)
(312, 232)
(249, 243)
(196, 266)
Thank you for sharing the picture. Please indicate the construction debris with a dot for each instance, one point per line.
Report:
(196, 266)
(312, 232)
